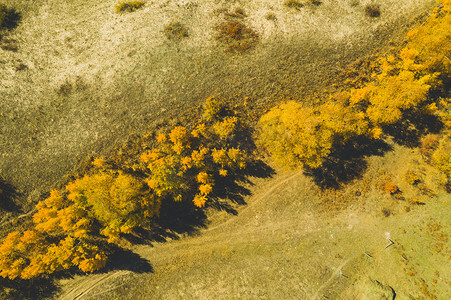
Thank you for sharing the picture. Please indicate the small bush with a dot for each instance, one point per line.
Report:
(175, 31)
(8, 44)
(236, 36)
(428, 146)
(294, 4)
(271, 17)
(412, 178)
(390, 188)
(314, 2)
(386, 212)
(373, 10)
(128, 5)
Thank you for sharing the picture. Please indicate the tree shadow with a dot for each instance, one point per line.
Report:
(347, 162)
(414, 124)
(184, 217)
(7, 195)
(231, 188)
(39, 288)
(123, 259)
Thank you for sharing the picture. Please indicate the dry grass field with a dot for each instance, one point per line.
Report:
(84, 78)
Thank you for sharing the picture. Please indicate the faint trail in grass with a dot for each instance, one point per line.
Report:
(332, 277)
(74, 294)
(258, 199)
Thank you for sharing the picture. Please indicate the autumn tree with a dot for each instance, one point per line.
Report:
(185, 162)
(299, 135)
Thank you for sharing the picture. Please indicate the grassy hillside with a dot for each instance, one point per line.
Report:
(288, 242)
(367, 221)
(84, 77)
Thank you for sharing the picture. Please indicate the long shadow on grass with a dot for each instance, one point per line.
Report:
(40, 288)
(185, 218)
(123, 259)
(347, 162)
(231, 189)
(7, 195)
(414, 124)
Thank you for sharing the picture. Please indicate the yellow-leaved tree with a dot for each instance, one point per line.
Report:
(298, 135)
(185, 163)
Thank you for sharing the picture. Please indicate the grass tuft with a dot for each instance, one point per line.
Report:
(294, 4)
(373, 10)
(175, 31)
(128, 5)
(236, 36)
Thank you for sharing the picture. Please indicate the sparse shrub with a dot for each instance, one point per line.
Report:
(428, 146)
(65, 89)
(294, 4)
(314, 2)
(416, 201)
(271, 17)
(386, 212)
(390, 188)
(9, 44)
(236, 36)
(373, 10)
(128, 5)
(175, 31)
(412, 178)
(354, 3)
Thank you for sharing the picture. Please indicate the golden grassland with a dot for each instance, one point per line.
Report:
(368, 166)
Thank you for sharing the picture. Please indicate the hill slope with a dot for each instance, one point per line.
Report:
(84, 78)
(287, 244)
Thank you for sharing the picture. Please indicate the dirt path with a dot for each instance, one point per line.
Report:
(331, 278)
(86, 286)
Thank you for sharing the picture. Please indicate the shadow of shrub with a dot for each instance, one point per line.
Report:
(9, 18)
(347, 162)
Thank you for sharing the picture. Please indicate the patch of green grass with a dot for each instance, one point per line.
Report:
(128, 5)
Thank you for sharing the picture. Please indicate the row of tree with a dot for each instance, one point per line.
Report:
(78, 225)
(300, 135)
